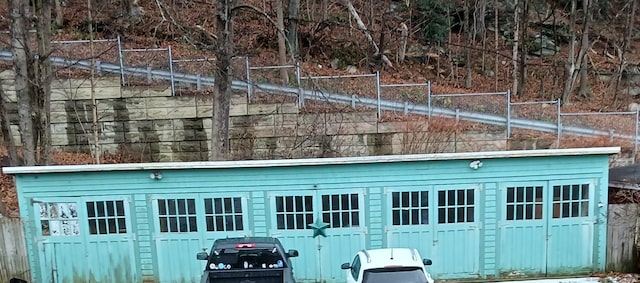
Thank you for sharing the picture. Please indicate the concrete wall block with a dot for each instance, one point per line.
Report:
(173, 101)
(141, 91)
(136, 114)
(60, 128)
(252, 132)
(351, 128)
(252, 121)
(84, 93)
(238, 99)
(312, 118)
(391, 127)
(7, 74)
(311, 130)
(157, 112)
(189, 146)
(286, 119)
(288, 108)
(257, 109)
(181, 112)
(60, 139)
(135, 103)
(58, 117)
(10, 95)
(236, 110)
(162, 125)
(353, 117)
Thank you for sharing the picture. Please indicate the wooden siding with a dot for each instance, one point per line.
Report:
(370, 181)
(622, 253)
(13, 256)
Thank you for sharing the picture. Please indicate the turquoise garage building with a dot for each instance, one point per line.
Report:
(476, 215)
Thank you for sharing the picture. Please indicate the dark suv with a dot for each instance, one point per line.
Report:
(248, 259)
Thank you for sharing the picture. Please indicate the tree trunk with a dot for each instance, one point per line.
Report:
(630, 25)
(404, 37)
(59, 15)
(292, 29)
(467, 49)
(367, 34)
(42, 106)
(282, 47)
(21, 55)
(94, 105)
(495, 34)
(514, 60)
(7, 135)
(570, 66)
(584, 46)
(524, 50)
(325, 10)
(222, 90)
(480, 14)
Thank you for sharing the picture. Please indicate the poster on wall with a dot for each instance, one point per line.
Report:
(59, 219)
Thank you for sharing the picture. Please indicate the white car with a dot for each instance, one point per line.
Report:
(388, 265)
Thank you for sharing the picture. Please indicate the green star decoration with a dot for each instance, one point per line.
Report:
(319, 228)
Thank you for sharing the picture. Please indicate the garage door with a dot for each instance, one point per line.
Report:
(85, 239)
(441, 222)
(185, 224)
(320, 258)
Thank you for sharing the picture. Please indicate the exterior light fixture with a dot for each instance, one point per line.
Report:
(475, 164)
(155, 176)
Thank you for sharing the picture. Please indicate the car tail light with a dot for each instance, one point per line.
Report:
(240, 246)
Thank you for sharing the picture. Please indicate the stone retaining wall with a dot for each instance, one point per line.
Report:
(155, 126)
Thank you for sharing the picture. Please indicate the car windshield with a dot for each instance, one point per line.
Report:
(246, 258)
(396, 274)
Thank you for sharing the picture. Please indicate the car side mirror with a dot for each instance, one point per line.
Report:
(427, 262)
(346, 266)
(292, 253)
(202, 256)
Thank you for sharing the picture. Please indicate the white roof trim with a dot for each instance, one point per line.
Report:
(307, 162)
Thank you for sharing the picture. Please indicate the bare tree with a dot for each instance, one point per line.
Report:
(7, 136)
(584, 46)
(222, 91)
(524, 50)
(292, 28)
(325, 10)
(282, 48)
(631, 18)
(42, 81)
(514, 59)
(480, 12)
(21, 62)
(571, 73)
(59, 15)
(469, 35)
(367, 34)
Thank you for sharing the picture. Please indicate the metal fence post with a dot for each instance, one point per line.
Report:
(429, 98)
(121, 61)
(173, 81)
(299, 82)
(378, 90)
(249, 84)
(559, 122)
(508, 113)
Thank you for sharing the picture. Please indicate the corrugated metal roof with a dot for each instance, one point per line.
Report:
(308, 162)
